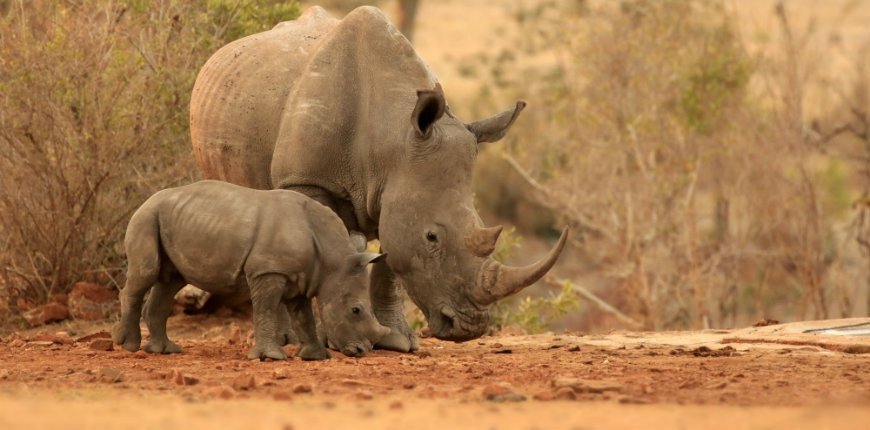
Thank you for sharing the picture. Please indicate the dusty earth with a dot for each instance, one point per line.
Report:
(768, 377)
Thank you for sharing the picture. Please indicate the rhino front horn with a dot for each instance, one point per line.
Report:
(481, 242)
(497, 281)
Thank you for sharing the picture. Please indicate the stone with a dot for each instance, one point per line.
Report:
(89, 301)
(244, 382)
(235, 337)
(97, 335)
(191, 297)
(303, 388)
(101, 345)
(47, 313)
(280, 373)
(586, 385)
(282, 396)
(179, 378)
(111, 375)
(364, 395)
(502, 392)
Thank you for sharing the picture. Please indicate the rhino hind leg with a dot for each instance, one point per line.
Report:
(158, 307)
(266, 293)
(127, 332)
(388, 305)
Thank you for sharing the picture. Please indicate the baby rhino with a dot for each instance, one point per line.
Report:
(282, 246)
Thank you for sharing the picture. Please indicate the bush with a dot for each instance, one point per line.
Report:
(685, 164)
(93, 119)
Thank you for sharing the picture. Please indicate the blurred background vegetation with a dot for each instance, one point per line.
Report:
(713, 158)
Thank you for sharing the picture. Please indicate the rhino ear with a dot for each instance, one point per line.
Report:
(495, 127)
(429, 109)
(362, 259)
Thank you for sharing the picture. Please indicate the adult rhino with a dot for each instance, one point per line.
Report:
(345, 112)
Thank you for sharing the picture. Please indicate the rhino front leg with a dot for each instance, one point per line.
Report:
(310, 348)
(388, 305)
(286, 334)
(158, 307)
(266, 292)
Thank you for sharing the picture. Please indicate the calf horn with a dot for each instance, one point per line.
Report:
(497, 281)
(481, 242)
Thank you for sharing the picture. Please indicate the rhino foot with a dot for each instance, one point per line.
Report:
(272, 351)
(399, 340)
(128, 339)
(313, 352)
(162, 347)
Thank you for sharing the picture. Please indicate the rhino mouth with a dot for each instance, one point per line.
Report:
(449, 324)
(356, 349)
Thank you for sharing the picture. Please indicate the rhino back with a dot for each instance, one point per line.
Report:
(239, 94)
(209, 230)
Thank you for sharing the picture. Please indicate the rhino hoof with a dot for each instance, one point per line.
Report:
(313, 352)
(128, 339)
(275, 353)
(400, 342)
(162, 347)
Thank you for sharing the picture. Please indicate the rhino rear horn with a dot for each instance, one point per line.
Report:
(495, 127)
(429, 109)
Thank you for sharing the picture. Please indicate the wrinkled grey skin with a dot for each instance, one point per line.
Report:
(344, 111)
(280, 245)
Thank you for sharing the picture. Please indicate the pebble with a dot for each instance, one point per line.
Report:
(586, 385)
(396, 404)
(502, 392)
(235, 336)
(111, 375)
(282, 396)
(280, 373)
(303, 388)
(244, 382)
(364, 395)
(101, 344)
(179, 378)
(17, 343)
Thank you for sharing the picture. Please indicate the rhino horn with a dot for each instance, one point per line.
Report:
(481, 242)
(497, 281)
(495, 127)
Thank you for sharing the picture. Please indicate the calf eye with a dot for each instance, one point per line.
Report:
(356, 310)
(431, 237)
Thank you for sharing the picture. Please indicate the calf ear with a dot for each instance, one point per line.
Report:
(495, 127)
(429, 109)
(362, 259)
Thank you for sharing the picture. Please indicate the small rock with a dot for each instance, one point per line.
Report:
(425, 332)
(586, 385)
(364, 395)
(17, 343)
(235, 336)
(496, 345)
(179, 378)
(140, 355)
(98, 335)
(244, 382)
(408, 385)
(111, 375)
(503, 351)
(303, 388)
(60, 298)
(90, 301)
(396, 404)
(564, 393)
(101, 345)
(502, 392)
(280, 373)
(191, 297)
(423, 354)
(48, 313)
(574, 348)
(222, 392)
(4, 374)
(41, 343)
(282, 396)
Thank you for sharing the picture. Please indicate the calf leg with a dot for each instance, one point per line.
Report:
(266, 293)
(310, 348)
(286, 335)
(157, 311)
(127, 332)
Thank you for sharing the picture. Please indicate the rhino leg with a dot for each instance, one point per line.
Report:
(266, 292)
(388, 306)
(310, 348)
(286, 335)
(158, 307)
(127, 332)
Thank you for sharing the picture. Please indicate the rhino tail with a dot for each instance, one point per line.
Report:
(142, 245)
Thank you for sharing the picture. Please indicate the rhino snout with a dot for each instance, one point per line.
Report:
(356, 349)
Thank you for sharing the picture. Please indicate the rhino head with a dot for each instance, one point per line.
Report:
(437, 245)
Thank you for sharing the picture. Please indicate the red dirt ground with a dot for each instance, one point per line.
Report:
(561, 373)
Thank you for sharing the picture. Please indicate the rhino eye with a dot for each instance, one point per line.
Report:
(431, 237)
(356, 310)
